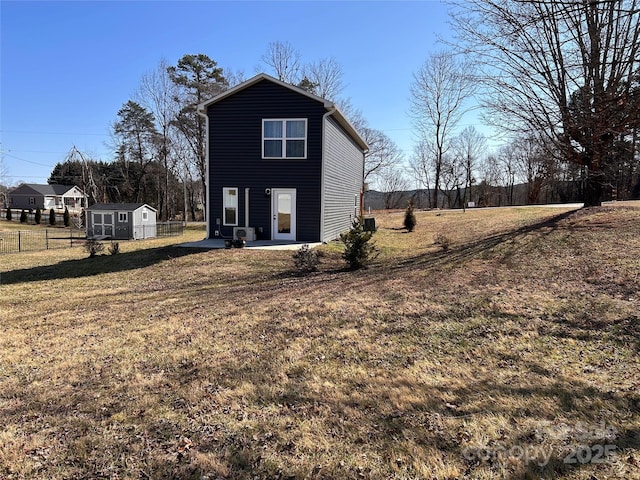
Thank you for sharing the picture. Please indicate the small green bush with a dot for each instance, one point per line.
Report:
(23, 216)
(93, 247)
(409, 217)
(52, 217)
(8, 214)
(358, 248)
(306, 259)
(38, 217)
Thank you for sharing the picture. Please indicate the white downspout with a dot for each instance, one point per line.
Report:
(246, 208)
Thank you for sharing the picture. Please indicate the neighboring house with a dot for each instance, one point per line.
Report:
(121, 221)
(283, 164)
(30, 196)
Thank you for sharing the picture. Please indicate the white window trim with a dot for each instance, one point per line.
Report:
(123, 217)
(284, 137)
(225, 206)
(145, 216)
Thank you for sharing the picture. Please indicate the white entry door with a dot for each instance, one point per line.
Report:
(284, 214)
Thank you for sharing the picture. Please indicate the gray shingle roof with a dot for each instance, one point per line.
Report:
(128, 207)
(46, 189)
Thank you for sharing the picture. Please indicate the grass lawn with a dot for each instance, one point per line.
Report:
(514, 354)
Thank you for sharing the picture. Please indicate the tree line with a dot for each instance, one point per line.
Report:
(159, 140)
(560, 81)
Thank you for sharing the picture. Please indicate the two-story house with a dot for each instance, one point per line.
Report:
(283, 164)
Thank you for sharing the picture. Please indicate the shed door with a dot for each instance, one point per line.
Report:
(103, 224)
(284, 214)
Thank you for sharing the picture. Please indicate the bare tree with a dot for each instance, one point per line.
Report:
(198, 78)
(354, 115)
(284, 61)
(234, 77)
(451, 178)
(158, 94)
(438, 95)
(192, 190)
(393, 183)
(469, 147)
(491, 177)
(562, 70)
(506, 158)
(383, 153)
(536, 164)
(326, 76)
(421, 165)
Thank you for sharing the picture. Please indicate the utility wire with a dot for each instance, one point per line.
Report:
(25, 160)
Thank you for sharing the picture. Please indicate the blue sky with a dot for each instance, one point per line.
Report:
(67, 67)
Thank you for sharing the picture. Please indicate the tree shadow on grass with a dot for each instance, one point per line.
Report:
(363, 417)
(457, 255)
(623, 331)
(87, 267)
(602, 452)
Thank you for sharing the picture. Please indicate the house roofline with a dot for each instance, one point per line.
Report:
(252, 81)
(46, 189)
(331, 107)
(120, 206)
(350, 129)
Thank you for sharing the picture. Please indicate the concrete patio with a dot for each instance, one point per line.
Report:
(215, 243)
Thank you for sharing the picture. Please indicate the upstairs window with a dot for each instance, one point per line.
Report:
(284, 138)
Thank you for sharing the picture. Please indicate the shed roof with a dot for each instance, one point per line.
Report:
(328, 105)
(125, 207)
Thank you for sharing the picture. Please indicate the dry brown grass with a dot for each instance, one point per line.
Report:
(165, 362)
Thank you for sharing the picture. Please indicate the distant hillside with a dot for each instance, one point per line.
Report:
(481, 195)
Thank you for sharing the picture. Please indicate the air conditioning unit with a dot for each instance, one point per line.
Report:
(244, 233)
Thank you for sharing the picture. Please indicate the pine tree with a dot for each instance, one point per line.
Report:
(66, 217)
(358, 249)
(38, 217)
(52, 217)
(409, 217)
(23, 216)
(9, 215)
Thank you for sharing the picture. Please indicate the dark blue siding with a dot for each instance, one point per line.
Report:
(235, 156)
